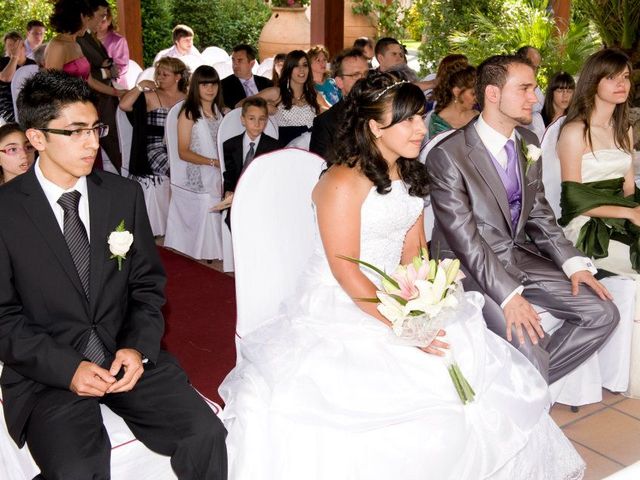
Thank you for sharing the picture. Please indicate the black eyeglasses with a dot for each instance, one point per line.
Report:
(78, 134)
(356, 75)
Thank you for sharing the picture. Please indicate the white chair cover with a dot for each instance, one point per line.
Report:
(17, 81)
(192, 61)
(427, 120)
(191, 228)
(230, 127)
(273, 231)
(551, 172)
(301, 141)
(132, 74)
(213, 55)
(146, 74)
(224, 69)
(426, 148)
(266, 68)
(125, 134)
(130, 459)
(255, 68)
(536, 125)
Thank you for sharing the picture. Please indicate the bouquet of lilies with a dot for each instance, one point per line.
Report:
(414, 297)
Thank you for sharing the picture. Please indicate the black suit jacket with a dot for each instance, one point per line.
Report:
(233, 158)
(233, 91)
(325, 127)
(45, 318)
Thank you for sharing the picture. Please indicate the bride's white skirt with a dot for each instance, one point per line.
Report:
(323, 392)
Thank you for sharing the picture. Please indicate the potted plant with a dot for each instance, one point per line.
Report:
(287, 29)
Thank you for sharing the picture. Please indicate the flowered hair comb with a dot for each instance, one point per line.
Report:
(393, 85)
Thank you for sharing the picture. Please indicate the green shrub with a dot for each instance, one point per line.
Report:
(16, 14)
(414, 21)
(157, 23)
(229, 23)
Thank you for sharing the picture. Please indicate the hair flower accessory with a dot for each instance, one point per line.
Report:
(531, 153)
(120, 241)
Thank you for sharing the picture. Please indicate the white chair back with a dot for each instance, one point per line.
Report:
(146, 74)
(213, 55)
(551, 172)
(17, 81)
(427, 120)
(176, 165)
(255, 68)
(132, 74)
(224, 69)
(125, 136)
(266, 68)
(301, 141)
(273, 231)
(424, 151)
(192, 61)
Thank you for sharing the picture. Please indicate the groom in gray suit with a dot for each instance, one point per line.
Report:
(491, 213)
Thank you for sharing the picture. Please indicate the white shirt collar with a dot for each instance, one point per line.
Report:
(245, 143)
(492, 139)
(53, 191)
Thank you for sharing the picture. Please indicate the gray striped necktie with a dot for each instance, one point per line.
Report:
(76, 237)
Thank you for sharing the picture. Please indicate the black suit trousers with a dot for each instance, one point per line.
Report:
(67, 439)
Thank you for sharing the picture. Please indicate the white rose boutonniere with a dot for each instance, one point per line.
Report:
(531, 153)
(120, 241)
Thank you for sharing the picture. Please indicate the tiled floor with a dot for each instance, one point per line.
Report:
(606, 434)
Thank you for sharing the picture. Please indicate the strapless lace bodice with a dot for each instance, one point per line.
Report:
(605, 165)
(385, 221)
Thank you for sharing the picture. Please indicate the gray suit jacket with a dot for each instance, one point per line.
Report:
(472, 218)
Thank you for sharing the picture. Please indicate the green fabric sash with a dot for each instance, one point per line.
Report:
(593, 239)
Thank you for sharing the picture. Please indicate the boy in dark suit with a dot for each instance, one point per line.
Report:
(81, 288)
(239, 151)
(243, 83)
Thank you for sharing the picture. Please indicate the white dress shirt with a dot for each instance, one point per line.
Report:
(53, 193)
(494, 142)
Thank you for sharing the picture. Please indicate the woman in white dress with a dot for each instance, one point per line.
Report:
(323, 391)
(599, 199)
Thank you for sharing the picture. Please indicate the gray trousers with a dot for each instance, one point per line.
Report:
(588, 320)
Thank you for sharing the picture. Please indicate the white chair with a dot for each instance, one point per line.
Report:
(191, 228)
(156, 195)
(17, 81)
(146, 74)
(130, 459)
(224, 69)
(551, 172)
(255, 68)
(273, 231)
(301, 141)
(192, 61)
(426, 148)
(266, 68)
(213, 55)
(132, 74)
(230, 127)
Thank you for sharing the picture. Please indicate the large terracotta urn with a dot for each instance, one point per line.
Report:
(356, 26)
(287, 29)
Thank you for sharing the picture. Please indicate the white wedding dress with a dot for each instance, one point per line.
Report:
(606, 165)
(323, 392)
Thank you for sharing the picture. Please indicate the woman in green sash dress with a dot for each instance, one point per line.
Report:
(455, 99)
(599, 199)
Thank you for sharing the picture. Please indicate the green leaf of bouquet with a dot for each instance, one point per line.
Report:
(372, 267)
(120, 227)
(368, 300)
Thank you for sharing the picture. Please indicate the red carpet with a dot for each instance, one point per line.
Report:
(200, 317)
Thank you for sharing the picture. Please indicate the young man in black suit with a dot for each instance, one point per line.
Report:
(349, 66)
(80, 319)
(240, 150)
(243, 83)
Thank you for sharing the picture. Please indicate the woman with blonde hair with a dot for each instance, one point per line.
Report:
(147, 105)
(328, 92)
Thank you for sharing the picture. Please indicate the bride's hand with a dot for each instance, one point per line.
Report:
(437, 347)
(634, 216)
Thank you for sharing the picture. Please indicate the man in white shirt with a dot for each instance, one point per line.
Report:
(491, 213)
(182, 45)
(35, 36)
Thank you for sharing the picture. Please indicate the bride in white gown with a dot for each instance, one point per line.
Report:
(322, 391)
(599, 201)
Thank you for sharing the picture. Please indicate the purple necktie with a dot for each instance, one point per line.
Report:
(512, 183)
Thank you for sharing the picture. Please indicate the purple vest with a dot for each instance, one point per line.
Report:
(511, 181)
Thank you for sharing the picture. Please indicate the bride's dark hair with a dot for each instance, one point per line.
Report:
(356, 146)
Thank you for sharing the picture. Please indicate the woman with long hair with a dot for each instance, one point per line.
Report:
(147, 105)
(558, 97)
(599, 199)
(16, 153)
(328, 92)
(455, 99)
(323, 390)
(293, 102)
(198, 124)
